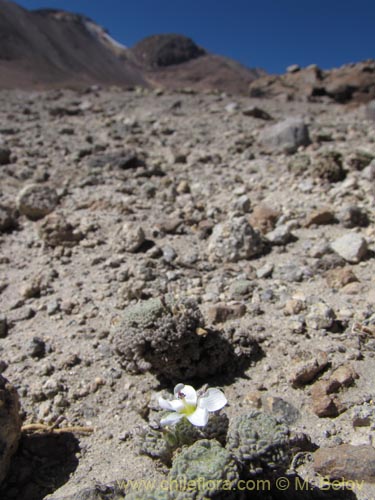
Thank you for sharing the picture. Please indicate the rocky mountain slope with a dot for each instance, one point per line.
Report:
(175, 62)
(48, 47)
(53, 48)
(153, 238)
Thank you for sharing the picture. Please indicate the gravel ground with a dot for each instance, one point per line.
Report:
(172, 196)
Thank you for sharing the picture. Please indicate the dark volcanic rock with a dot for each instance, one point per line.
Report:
(163, 50)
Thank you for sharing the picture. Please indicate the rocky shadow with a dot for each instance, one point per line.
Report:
(42, 464)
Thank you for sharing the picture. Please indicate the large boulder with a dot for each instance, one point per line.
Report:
(286, 136)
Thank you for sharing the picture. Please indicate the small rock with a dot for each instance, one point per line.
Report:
(364, 416)
(351, 246)
(324, 403)
(256, 112)
(221, 312)
(55, 230)
(319, 250)
(36, 201)
(133, 237)
(328, 167)
(37, 348)
(293, 68)
(265, 271)
(183, 186)
(20, 314)
(353, 216)
(320, 217)
(369, 172)
(170, 225)
(338, 278)
(353, 288)
(241, 288)
(281, 235)
(289, 272)
(297, 324)
(321, 316)
(343, 376)
(294, 306)
(264, 218)
(281, 409)
(234, 240)
(346, 462)
(242, 205)
(327, 262)
(253, 399)
(231, 107)
(31, 289)
(169, 253)
(286, 136)
(53, 307)
(305, 372)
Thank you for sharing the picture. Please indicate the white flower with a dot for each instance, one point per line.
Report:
(192, 406)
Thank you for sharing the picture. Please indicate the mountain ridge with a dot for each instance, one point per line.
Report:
(52, 47)
(49, 48)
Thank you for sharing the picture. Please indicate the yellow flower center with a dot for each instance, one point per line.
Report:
(188, 409)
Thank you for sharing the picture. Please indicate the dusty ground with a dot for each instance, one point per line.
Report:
(194, 158)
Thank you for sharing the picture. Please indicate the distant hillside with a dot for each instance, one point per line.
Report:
(175, 61)
(53, 48)
(50, 47)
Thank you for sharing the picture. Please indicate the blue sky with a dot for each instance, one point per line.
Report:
(271, 34)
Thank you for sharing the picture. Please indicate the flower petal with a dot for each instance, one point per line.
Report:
(212, 400)
(189, 393)
(171, 419)
(199, 417)
(165, 404)
(178, 389)
(177, 405)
